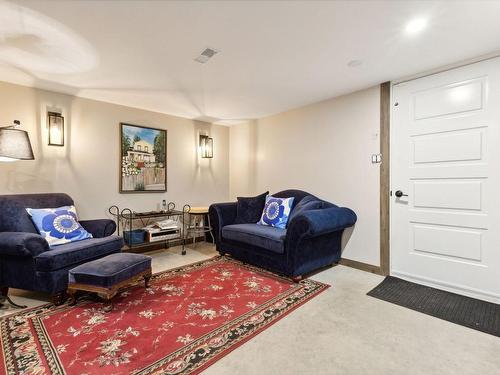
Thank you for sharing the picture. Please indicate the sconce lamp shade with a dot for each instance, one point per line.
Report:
(56, 129)
(15, 145)
(206, 146)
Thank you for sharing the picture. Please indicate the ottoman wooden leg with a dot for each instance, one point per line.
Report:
(58, 298)
(72, 297)
(147, 278)
(108, 299)
(107, 306)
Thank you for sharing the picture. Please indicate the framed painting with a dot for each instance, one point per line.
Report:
(143, 159)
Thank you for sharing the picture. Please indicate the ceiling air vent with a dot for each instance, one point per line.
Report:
(206, 55)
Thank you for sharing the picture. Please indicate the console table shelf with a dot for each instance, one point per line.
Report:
(126, 218)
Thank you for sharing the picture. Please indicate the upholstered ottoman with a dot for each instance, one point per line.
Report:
(106, 276)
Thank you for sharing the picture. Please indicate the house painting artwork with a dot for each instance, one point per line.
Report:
(143, 159)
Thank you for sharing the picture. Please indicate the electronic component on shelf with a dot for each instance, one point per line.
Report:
(169, 227)
(165, 224)
(158, 234)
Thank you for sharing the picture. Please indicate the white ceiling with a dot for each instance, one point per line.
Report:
(274, 55)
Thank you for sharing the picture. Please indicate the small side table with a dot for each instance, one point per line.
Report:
(196, 223)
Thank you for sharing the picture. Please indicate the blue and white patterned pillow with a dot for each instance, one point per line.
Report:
(276, 211)
(58, 225)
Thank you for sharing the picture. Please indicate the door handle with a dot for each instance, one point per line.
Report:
(400, 194)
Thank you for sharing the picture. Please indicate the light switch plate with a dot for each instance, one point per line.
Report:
(376, 158)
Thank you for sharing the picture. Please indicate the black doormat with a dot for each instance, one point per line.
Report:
(468, 312)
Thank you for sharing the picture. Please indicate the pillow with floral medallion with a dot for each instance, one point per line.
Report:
(58, 225)
(276, 212)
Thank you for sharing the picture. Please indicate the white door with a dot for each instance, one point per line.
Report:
(445, 156)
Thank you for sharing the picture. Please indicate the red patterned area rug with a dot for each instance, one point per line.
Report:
(186, 320)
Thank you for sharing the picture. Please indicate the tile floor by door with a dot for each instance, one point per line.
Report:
(343, 331)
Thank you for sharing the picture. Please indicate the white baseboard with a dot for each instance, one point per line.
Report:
(449, 287)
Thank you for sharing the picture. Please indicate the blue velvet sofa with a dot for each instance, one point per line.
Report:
(311, 240)
(27, 262)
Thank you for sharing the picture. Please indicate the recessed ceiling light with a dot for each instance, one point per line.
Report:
(354, 63)
(416, 26)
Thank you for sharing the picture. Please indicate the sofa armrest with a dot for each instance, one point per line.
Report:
(221, 214)
(99, 228)
(22, 244)
(314, 237)
(321, 221)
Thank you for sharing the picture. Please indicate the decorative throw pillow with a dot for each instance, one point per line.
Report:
(276, 211)
(58, 225)
(307, 203)
(249, 209)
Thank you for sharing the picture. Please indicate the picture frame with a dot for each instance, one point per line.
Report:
(143, 159)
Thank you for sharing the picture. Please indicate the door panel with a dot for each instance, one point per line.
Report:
(448, 147)
(445, 137)
(455, 219)
(447, 241)
(451, 195)
(450, 99)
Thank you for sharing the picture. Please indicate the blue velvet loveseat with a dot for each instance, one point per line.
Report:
(27, 262)
(311, 240)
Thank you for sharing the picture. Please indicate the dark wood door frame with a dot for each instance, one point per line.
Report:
(385, 130)
(384, 268)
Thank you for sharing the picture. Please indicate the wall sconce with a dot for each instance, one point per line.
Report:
(206, 146)
(56, 129)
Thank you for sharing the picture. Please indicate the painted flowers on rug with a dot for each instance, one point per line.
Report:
(112, 354)
(90, 318)
(186, 339)
(112, 349)
(222, 273)
(172, 290)
(150, 314)
(257, 285)
(214, 287)
(200, 310)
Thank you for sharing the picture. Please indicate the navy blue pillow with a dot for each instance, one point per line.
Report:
(249, 209)
(306, 204)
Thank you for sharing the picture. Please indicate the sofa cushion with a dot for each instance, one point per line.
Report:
(249, 209)
(264, 236)
(307, 203)
(75, 253)
(110, 270)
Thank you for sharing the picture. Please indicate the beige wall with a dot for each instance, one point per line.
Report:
(323, 148)
(242, 165)
(87, 167)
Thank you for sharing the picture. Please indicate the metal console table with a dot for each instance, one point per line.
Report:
(126, 218)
